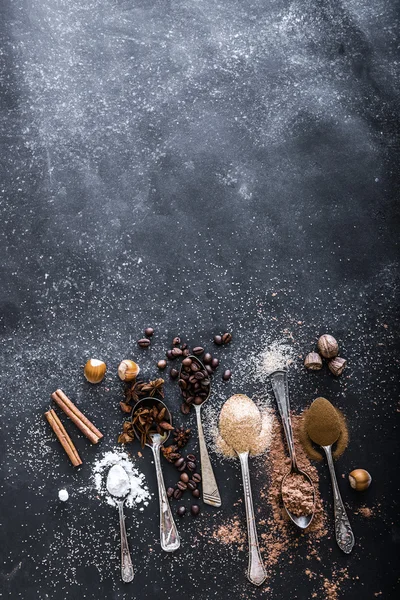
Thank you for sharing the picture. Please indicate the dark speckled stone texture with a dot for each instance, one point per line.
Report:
(197, 166)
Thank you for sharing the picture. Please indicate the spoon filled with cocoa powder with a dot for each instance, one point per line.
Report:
(322, 425)
(297, 488)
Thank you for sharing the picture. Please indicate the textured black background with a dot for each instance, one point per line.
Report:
(198, 166)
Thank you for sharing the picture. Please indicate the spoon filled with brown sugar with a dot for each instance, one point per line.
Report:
(297, 488)
(323, 427)
(240, 423)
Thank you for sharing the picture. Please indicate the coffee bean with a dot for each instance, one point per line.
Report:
(182, 467)
(191, 457)
(185, 409)
(195, 367)
(205, 382)
(198, 350)
(227, 375)
(179, 462)
(196, 477)
(174, 373)
(199, 375)
(144, 343)
(182, 384)
(181, 511)
(198, 400)
(214, 363)
(192, 379)
(192, 485)
(176, 352)
(209, 369)
(170, 492)
(195, 510)
(184, 375)
(176, 341)
(185, 352)
(181, 486)
(207, 358)
(218, 340)
(148, 332)
(196, 493)
(187, 362)
(191, 466)
(184, 477)
(177, 494)
(226, 338)
(169, 354)
(189, 399)
(184, 346)
(162, 364)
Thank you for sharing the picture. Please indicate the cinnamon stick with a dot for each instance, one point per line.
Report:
(63, 437)
(87, 428)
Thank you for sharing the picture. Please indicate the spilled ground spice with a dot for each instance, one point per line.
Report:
(232, 532)
(297, 494)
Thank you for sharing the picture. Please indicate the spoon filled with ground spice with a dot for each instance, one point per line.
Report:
(297, 488)
(322, 425)
(240, 423)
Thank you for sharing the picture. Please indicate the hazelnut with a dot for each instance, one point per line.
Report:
(94, 370)
(328, 346)
(360, 479)
(337, 365)
(128, 370)
(313, 361)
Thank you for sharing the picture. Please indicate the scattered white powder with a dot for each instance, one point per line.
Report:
(276, 355)
(138, 491)
(63, 495)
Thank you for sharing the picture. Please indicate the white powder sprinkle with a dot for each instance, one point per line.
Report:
(138, 492)
(276, 355)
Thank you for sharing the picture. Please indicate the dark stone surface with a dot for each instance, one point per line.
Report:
(197, 167)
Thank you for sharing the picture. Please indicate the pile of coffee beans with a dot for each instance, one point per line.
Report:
(189, 481)
(194, 381)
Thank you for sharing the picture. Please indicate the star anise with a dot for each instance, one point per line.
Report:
(170, 453)
(154, 387)
(134, 393)
(181, 436)
(127, 434)
(148, 420)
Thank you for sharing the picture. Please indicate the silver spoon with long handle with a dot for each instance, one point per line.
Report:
(211, 493)
(119, 475)
(169, 536)
(280, 388)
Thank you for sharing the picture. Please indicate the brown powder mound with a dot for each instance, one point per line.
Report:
(231, 533)
(338, 448)
(297, 495)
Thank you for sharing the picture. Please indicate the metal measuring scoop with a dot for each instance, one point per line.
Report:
(211, 493)
(169, 536)
(118, 486)
(281, 390)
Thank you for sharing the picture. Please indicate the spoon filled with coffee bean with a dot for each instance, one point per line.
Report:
(194, 381)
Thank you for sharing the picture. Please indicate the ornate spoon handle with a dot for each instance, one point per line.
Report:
(256, 572)
(127, 573)
(210, 488)
(169, 535)
(344, 534)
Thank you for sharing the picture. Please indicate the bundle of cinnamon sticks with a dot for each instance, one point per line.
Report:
(86, 426)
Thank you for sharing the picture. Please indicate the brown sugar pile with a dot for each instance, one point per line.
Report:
(240, 423)
(231, 533)
(298, 495)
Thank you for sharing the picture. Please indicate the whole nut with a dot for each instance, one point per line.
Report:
(337, 365)
(313, 361)
(328, 346)
(359, 479)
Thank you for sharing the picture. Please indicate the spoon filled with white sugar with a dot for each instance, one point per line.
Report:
(118, 485)
(240, 423)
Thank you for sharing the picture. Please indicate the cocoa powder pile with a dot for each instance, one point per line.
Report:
(323, 424)
(298, 495)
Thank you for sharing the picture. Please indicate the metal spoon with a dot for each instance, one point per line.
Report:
(211, 493)
(119, 492)
(169, 536)
(281, 390)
